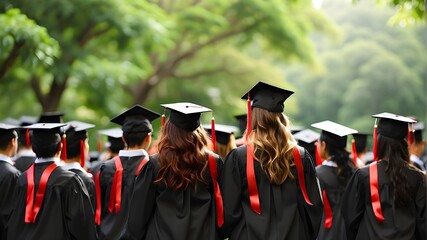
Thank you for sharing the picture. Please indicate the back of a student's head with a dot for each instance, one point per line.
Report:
(46, 145)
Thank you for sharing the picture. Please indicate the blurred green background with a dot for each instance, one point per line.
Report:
(92, 59)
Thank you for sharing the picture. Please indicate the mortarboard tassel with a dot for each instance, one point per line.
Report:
(213, 135)
(82, 154)
(354, 151)
(410, 134)
(374, 148)
(99, 144)
(249, 119)
(64, 147)
(27, 138)
(163, 117)
(319, 159)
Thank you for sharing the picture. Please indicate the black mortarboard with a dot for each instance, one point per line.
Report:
(7, 132)
(185, 115)
(242, 119)
(393, 125)
(418, 132)
(115, 141)
(136, 119)
(222, 132)
(267, 97)
(51, 117)
(77, 130)
(334, 133)
(11, 121)
(307, 136)
(47, 133)
(26, 120)
(295, 129)
(360, 140)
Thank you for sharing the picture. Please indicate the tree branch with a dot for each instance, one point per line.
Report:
(7, 64)
(86, 37)
(35, 85)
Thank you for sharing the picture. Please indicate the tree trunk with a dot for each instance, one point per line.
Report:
(8, 63)
(53, 98)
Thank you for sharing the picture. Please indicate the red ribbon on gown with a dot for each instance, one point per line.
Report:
(375, 196)
(217, 191)
(32, 207)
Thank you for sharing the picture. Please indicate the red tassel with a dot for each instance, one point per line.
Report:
(410, 135)
(82, 153)
(213, 135)
(27, 138)
(354, 152)
(99, 144)
(163, 120)
(64, 147)
(374, 148)
(319, 159)
(249, 119)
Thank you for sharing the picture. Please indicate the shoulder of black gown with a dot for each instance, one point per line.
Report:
(143, 200)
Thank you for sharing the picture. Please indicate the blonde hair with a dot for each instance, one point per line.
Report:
(273, 143)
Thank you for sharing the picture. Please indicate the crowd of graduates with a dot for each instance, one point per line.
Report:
(274, 181)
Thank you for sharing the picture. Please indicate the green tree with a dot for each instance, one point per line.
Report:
(125, 50)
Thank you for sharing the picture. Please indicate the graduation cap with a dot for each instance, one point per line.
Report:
(51, 117)
(267, 97)
(185, 115)
(334, 133)
(393, 125)
(7, 132)
(11, 121)
(295, 129)
(24, 134)
(115, 141)
(76, 133)
(136, 119)
(307, 136)
(418, 132)
(222, 132)
(360, 140)
(77, 130)
(46, 133)
(242, 119)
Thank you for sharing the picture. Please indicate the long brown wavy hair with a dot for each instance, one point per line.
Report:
(274, 143)
(182, 156)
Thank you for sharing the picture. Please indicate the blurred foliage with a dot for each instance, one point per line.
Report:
(116, 53)
(375, 68)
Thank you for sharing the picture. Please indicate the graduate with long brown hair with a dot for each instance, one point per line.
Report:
(269, 185)
(387, 199)
(177, 199)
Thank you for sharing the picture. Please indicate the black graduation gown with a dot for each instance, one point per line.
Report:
(161, 213)
(90, 185)
(284, 212)
(408, 222)
(113, 225)
(66, 212)
(8, 183)
(22, 163)
(329, 182)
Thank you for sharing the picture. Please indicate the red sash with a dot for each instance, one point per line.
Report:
(32, 207)
(375, 195)
(98, 199)
(252, 186)
(116, 188)
(217, 191)
(327, 210)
